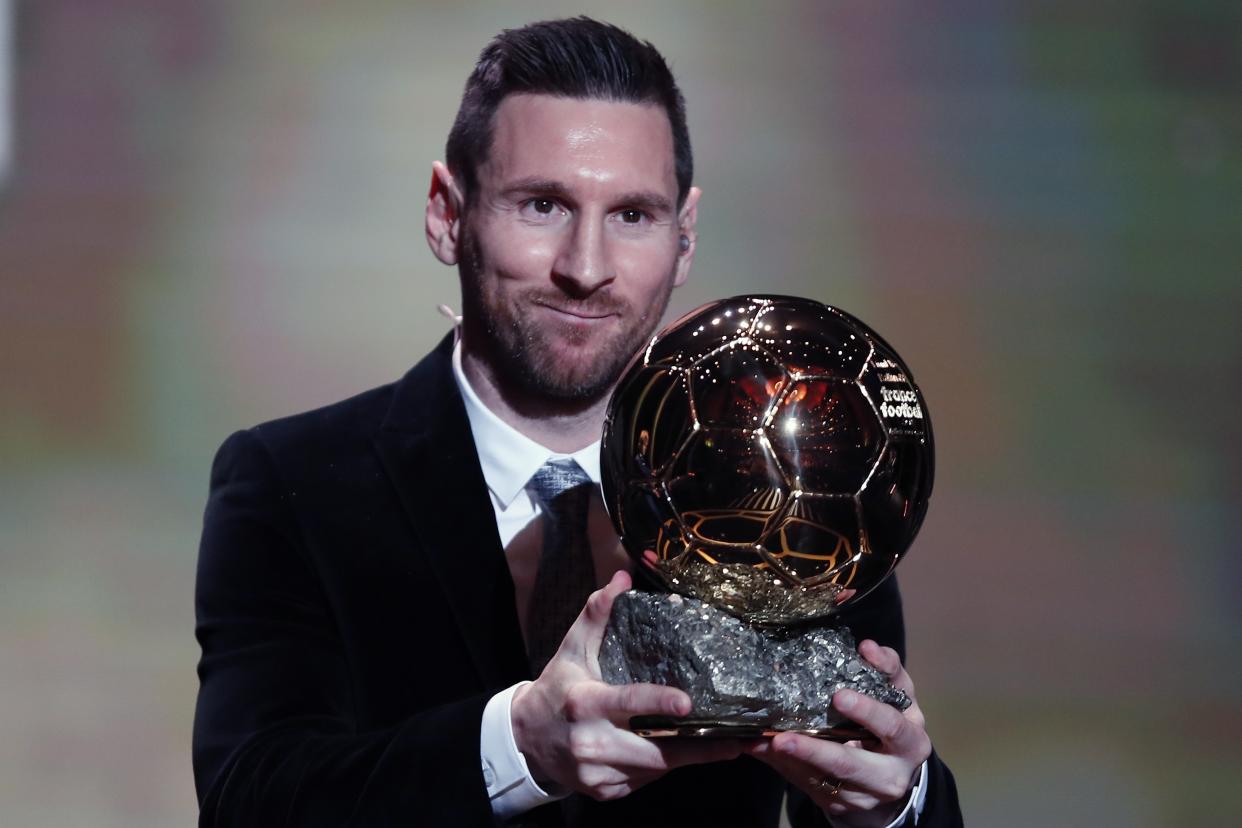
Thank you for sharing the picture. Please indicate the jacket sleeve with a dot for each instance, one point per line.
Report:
(275, 736)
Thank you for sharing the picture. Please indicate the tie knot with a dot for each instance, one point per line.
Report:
(556, 477)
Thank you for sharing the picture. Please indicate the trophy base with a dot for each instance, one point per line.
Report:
(663, 727)
(743, 682)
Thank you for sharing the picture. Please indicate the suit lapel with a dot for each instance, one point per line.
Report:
(428, 451)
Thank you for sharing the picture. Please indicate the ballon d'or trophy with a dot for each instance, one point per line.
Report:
(767, 461)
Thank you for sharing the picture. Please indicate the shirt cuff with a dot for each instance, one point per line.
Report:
(509, 784)
(914, 805)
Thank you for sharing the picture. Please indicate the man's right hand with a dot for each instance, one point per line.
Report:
(570, 725)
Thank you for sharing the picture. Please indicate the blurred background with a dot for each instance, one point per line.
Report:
(211, 215)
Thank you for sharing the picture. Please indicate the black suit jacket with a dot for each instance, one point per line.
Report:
(355, 613)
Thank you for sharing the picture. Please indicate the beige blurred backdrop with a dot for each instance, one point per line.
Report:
(212, 217)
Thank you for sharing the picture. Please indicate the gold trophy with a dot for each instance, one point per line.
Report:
(767, 461)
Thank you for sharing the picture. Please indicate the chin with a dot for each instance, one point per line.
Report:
(571, 374)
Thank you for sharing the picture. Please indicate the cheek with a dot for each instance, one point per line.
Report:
(648, 271)
(515, 252)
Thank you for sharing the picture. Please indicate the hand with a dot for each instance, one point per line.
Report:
(569, 724)
(875, 781)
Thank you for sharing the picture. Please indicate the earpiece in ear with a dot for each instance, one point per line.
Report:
(685, 243)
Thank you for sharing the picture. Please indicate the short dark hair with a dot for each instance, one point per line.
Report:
(573, 58)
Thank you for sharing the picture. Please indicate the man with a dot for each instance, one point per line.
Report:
(373, 598)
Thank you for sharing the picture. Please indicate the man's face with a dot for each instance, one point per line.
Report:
(571, 248)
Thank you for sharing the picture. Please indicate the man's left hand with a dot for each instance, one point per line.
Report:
(857, 785)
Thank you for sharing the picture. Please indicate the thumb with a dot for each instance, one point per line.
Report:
(584, 638)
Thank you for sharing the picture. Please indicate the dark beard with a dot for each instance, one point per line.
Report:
(522, 355)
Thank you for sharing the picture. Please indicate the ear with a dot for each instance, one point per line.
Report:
(686, 219)
(443, 220)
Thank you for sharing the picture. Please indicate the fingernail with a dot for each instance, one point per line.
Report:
(786, 746)
(845, 699)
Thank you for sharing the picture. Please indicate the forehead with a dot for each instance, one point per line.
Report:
(581, 142)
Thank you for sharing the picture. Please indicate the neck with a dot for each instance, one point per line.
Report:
(563, 426)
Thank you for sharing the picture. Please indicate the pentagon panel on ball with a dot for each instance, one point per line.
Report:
(768, 455)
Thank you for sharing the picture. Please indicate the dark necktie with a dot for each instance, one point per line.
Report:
(566, 574)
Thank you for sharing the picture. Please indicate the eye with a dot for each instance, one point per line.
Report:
(541, 209)
(632, 216)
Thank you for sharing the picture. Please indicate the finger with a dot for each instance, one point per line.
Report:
(679, 752)
(829, 792)
(583, 640)
(601, 745)
(819, 758)
(629, 755)
(900, 734)
(620, 703)
(884, 659)
(662, 755)
(888, 662)
(864, 776)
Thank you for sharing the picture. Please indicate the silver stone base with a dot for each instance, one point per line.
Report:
(743, 681)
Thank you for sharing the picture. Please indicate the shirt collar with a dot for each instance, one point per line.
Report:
(509, 458)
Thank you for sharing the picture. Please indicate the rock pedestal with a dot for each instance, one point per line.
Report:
(780, 679)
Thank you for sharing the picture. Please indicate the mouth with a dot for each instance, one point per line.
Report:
(584, 314)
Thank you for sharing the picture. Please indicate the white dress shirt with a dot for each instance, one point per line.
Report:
(509, 459)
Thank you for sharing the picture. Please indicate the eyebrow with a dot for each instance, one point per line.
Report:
(547, 187)
(542, 186)
(650, 201)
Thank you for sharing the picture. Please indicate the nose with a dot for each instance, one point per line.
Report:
(582, 265)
